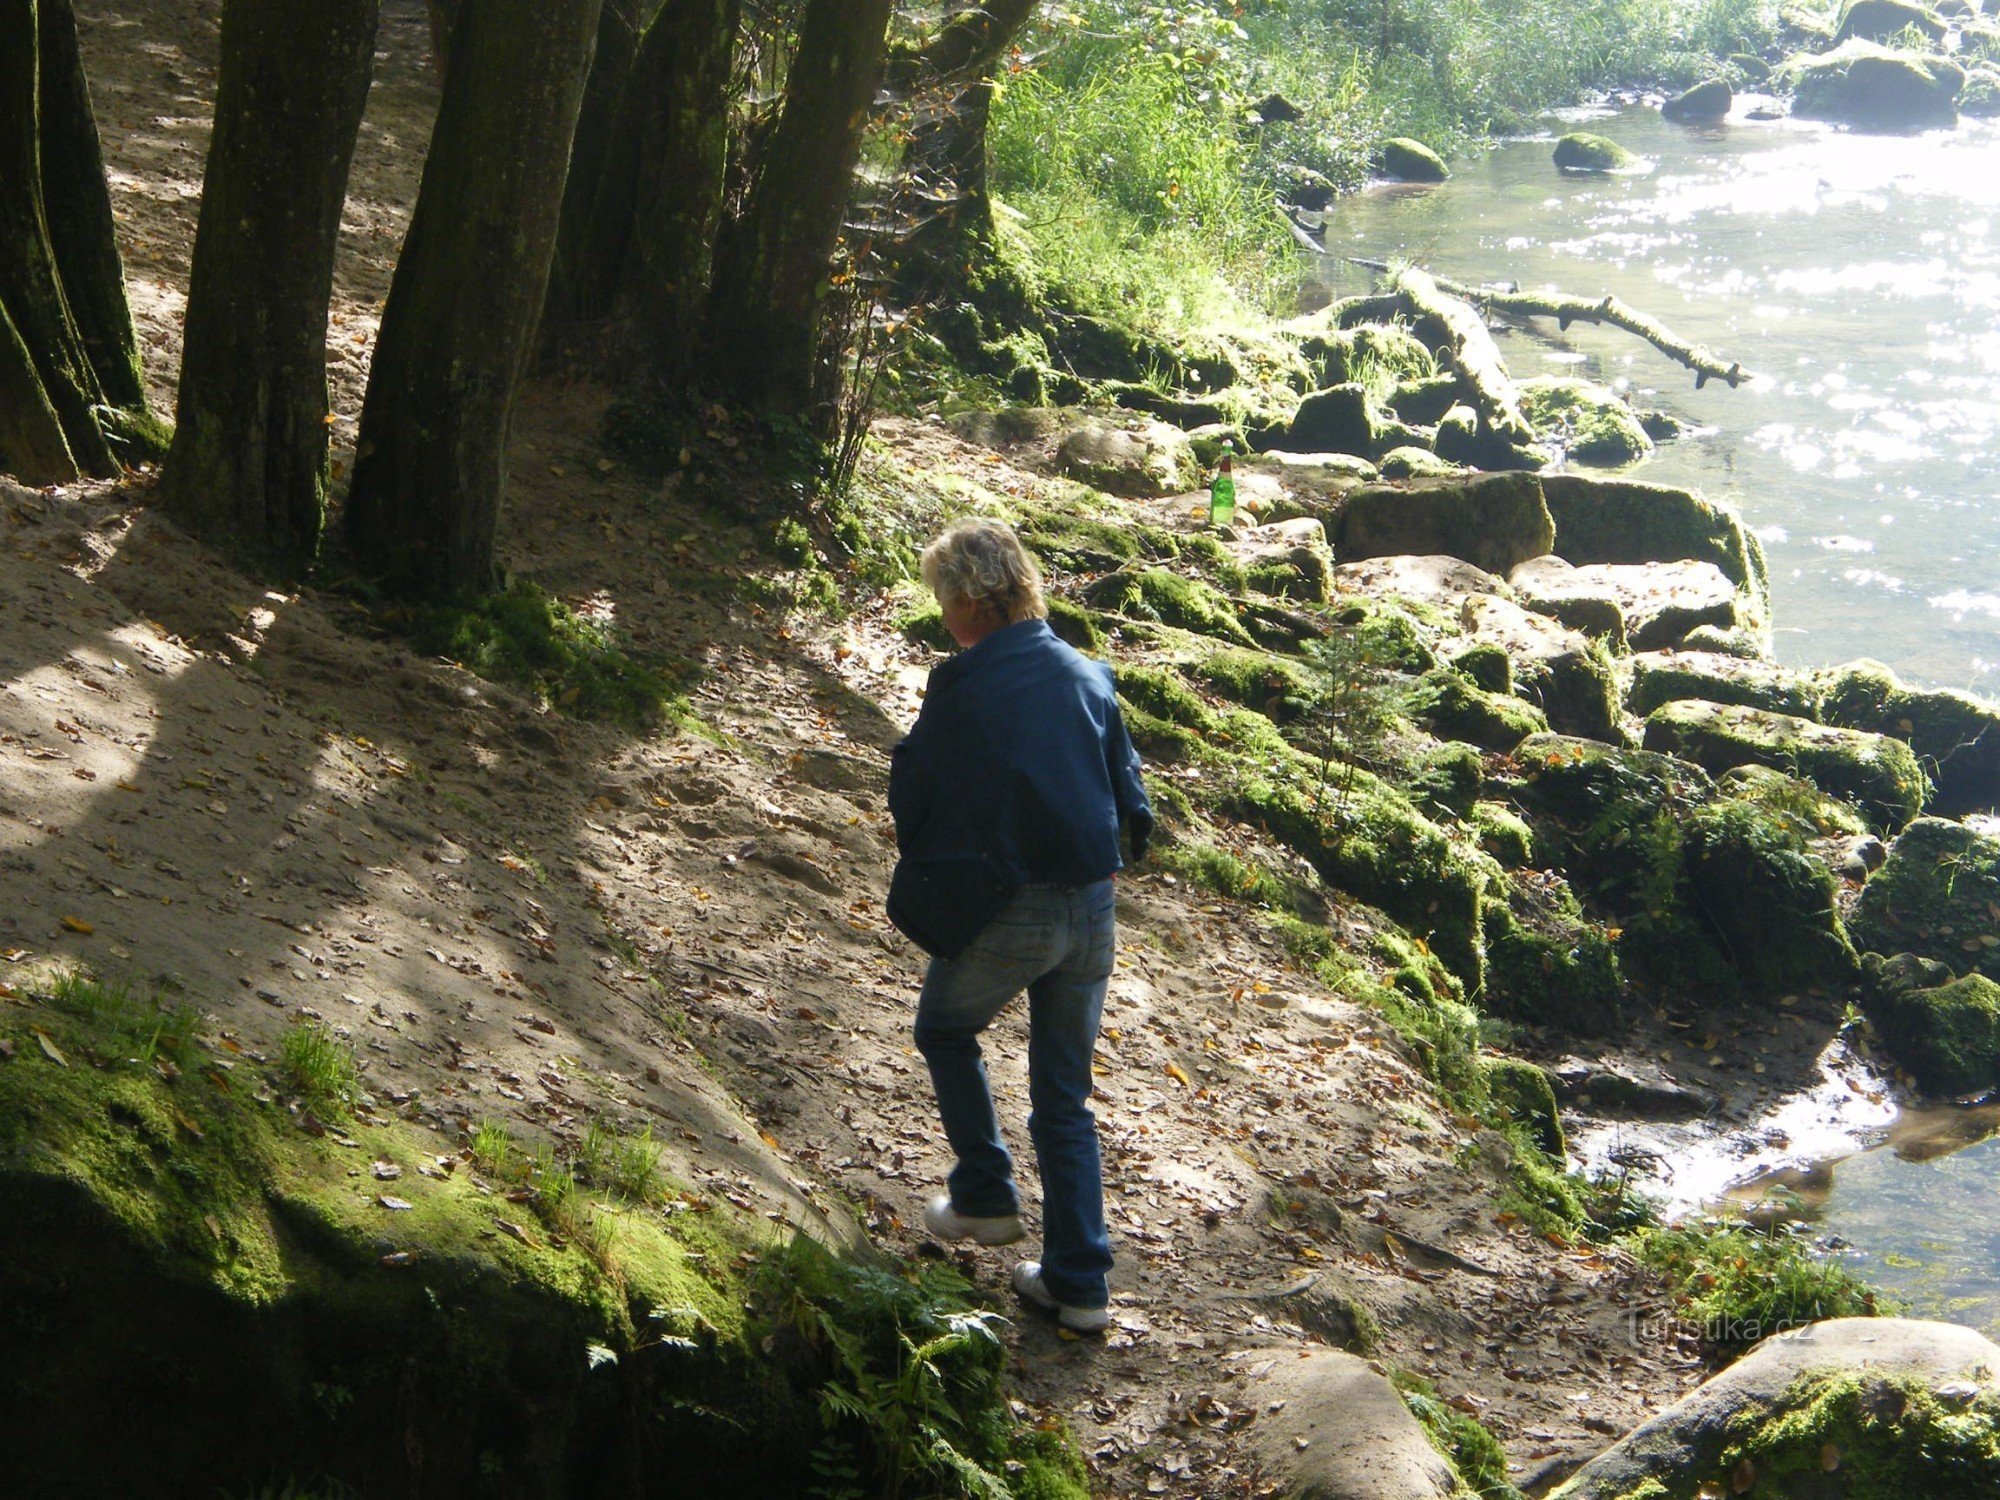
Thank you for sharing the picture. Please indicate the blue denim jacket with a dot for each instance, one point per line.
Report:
(1018, 771)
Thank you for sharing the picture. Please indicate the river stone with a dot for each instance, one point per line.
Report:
(1938, 896)
(1305, 187)
(1944, 1032)
(1629, 1088)
(1412, 462)
(1955, 735)
(1009, 427)
(1681, 1450)
(1568, 675)
(1716, 677)
(1412, 161)
(1707, 100)
(1549, 586)
(1433, 579)
(1663, 601)
(1141, 463)
(1881, 20)
(1593, 423)
(1580, 151)
(1425, 399)
(1876, 774)
(1749, 67)
(1335, 420)
(1874, 88)
(1493, 521)
(1625, 521)
(1330, 1428)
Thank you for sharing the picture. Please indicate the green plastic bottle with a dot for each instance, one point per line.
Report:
(1222, 491)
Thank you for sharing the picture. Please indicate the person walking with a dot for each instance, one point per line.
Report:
(1008, 796)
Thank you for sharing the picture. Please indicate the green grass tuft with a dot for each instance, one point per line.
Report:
(321, 1068)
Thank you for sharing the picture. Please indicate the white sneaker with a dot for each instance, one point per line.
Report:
(947, 1223)
(1029, 1288)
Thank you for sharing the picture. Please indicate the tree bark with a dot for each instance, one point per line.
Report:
(772, 275)
(431, 465)
(248, 465)
(32, 445)
(31, 286)
(77, 200)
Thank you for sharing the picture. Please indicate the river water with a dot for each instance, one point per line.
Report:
(1859, 277)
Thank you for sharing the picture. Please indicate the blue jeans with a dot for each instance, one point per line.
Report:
(1057, 943)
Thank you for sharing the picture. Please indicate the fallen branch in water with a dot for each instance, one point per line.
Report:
(1566, 310)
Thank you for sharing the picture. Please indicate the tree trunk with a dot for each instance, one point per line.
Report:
(431, 465)
(32, 445)
(772, 274)
(600, 139)
(31, 286)
(77, 200)
(248, 465)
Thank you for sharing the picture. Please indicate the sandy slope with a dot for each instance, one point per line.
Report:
(514, 916)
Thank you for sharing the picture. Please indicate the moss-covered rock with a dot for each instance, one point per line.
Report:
(1566, 594)
(1944, 1032)
(1418, 463)
(1766, 898)
(1809, 810)
(1073, 624)
(1669, 676)
(1334, 420)
(1980, 98)
(1523, 1095)
(1581, 151)
(1152, 461)
(1275, 686)
(1624, 521)
(1591, 423)
(1171, 598)
(1379, 357)
(1876, 774)
(1937, 896)
(1884, 20)
(1596, 807)
(1955, 736)
(1411, 161)
(1571, 677)
(1873, 88)
(1445, 780)
(1547, 965)
(1706, 101)
(1453, 707)
(1490, 667)
(1503, 833)
(1424, 400)
(1492, 521)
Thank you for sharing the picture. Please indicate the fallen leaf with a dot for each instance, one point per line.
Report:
(1179, 1074)
(396, 1259)
(507, 1226)
(214, 1226)
(77, 924)
(6, 1050)
(1829, 1457)
(51, 1050)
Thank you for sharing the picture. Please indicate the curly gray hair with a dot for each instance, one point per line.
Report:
(983, 563)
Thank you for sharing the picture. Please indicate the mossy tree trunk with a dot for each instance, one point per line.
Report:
(248, 465)
(33, 296)
(431, 464)
(772, 269)
(950, 83)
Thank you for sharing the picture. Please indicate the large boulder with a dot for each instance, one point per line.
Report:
(1765, 896)
(1335, 420)
(1549, 586)
(1140, 463)
(1716, 677)
(1411, 161)
(1847, 1407)
(1649, 605)
(1594, 805)
(1429, 579)
(1569, 675)
(1876, 774)
(1329, 1428)
(1623, 521)
(1955, 735)
(1882, 20)
(1707, 100)
(1945, 1032)
(1874, 88)
(1590, 422)
(1938, 896)
(1492, 521)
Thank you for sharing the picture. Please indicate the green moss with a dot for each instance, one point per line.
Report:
(1074, 624)
(1376, 356)
(1547, 965)
(1878, 775)
(1390, 636)
(1741, 1285)
(923, 623)
(1411, 462)
(1210, 867)
(1767, 900)
(1157, 594)
(1272, 685)
(1667, 676)
(1894, 1437)
(1304, 573)
(1445, 780)
(1802, 806)
(1488, 665)
(1475, 1455)
(1580, 151)
(1935, 897)
(1523, 1095)
(573, 664)
(1955, 736)
(1623, 521)
(1947, 1035)
(1452, 706)
(1503, 833)
(1595, 809)
(1592, 423)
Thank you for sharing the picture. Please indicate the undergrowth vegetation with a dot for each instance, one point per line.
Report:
(1739, 1285)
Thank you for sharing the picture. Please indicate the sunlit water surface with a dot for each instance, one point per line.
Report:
(1859, 275)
